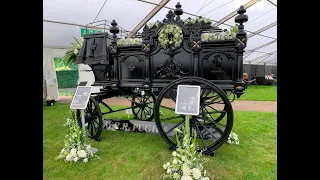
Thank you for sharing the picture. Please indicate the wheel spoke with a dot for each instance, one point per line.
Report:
(175, 126)
(91, 127)
(208, 131)
(200, 134)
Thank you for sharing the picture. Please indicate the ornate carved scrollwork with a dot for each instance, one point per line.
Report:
(131, 67)
(94, 45)
(195, 37)
(170, 69)
(216, 66)
(113, 48)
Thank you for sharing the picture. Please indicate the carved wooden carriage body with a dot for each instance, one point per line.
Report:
(215, 66)
(149, 65)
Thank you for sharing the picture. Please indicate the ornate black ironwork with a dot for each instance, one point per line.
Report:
(94, 45)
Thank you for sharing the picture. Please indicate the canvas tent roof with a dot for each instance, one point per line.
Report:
(62, 20)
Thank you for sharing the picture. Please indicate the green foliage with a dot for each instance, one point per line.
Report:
(71, 55)
(67, 79)
(60, 64)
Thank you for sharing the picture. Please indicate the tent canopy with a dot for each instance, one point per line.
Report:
(64, 19)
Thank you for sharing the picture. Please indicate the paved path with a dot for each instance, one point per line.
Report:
(237, 105)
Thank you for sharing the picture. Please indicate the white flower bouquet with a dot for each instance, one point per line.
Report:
(218, 36)
(233, 139)
(71, 55)
(186, 163)
(75, 147)
(129, 41)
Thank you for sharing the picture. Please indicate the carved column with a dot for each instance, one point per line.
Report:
(241, 42)
(195, 40)
(146, 49)
(113, 51)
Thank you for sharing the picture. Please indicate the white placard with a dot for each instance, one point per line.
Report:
(188, 100)
(81, 97)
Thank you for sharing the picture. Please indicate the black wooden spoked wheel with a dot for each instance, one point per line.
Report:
(210, 133)
(219, 116)
(93, 118)
(142, 106)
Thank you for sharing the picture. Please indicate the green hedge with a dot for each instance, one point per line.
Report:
(67, 79)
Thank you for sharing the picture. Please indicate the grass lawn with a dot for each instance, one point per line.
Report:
(138, 156)
(260, 93)
(252, 93)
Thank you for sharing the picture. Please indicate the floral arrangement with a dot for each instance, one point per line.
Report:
(233, 138)
(186, 163)
(170, 35)
(129, 41)
(71, 55)
(218, 36)
(202, 20)
(75, 147)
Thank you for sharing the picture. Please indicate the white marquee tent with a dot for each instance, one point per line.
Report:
(63, 20)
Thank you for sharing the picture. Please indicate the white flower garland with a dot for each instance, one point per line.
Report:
(129, 41)
(202, 20)
(75, 149)
(170, 34)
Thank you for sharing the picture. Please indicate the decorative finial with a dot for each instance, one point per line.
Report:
(114, 29)
(178, 11)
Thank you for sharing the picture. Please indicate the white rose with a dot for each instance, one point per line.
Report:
(168, 164)
(183, 158)
(174, 153)
(69, 157)
(85, 160)
(82, 153)
(62, 151)
(174, 161)
(196, 173)
(88, 148)
(164, 166)
(186, 172)
(168, 171)
(75, 51)
(73, 152)
(76, 159)
(186, 178)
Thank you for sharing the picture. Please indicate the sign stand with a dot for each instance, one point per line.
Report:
(80, 101)
(188, 104)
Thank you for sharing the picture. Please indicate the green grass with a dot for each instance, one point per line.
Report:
(138, 156)
(260, 93)
(66, 92)
(252, 93)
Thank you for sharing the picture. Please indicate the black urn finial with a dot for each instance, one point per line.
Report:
(114, 29)
(178, 11)
(241, 18)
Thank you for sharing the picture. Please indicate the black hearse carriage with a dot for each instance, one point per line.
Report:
(134, 70)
